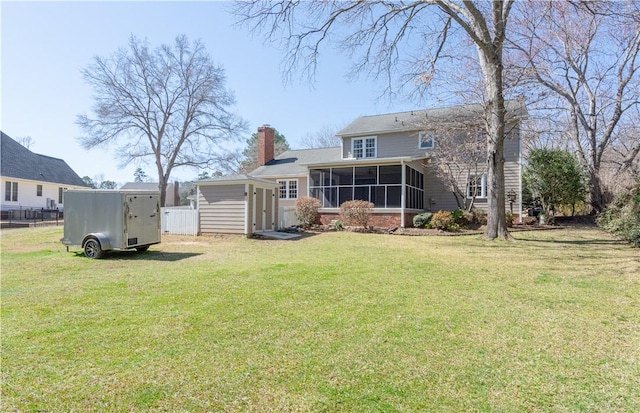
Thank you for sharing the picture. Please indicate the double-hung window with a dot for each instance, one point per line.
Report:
(477, 186)
(11, 191)
(364, 147)
(38, 190)
(288, 188)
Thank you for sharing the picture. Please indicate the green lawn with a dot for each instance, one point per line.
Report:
(332, 322)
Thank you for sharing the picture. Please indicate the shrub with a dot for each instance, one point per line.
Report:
(622, 216)
(421, 220)
(443, 220)
(307, 211)
(528, 220)
(462, 218)
(479, 216)
(337, 225)
(356, 213)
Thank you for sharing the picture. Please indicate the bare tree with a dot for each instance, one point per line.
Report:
(459, 155)
(410, 38)
(586, 53)
(167, 104)
(324, 138)
(25, 141)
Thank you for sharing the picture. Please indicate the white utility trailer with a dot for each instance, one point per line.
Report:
(103, 220)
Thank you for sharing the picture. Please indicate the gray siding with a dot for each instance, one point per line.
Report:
(512, 144)
(392, 145)
(399, 144)
(437, 196)
(444, 200)
(512, 182)
(222, 209)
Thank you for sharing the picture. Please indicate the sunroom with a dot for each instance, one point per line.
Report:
(395, 187)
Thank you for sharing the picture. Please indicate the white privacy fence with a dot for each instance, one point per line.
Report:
(179, 221)
(287, 217)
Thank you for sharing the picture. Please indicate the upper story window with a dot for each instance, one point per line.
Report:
(426, 140)
(11, 191)
(288, 188)
(364, 148)
(38, 190)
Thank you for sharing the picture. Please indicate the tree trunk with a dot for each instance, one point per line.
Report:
(162, 186)
(496, 219)
(596, 195)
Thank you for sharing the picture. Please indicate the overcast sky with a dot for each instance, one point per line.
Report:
(45, 45)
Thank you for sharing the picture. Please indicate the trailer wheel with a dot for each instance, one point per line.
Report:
(142, 249)
(92, 249)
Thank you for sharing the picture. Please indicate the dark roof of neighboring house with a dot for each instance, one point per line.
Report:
(19, 162)
(420, 119)
(293, 162)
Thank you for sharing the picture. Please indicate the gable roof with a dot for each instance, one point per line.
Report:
(419, 119)
(19, 162)
(293, 162)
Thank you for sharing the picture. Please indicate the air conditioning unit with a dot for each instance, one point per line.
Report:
(51, 203)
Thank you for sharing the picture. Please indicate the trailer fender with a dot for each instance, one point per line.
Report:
(105, 243)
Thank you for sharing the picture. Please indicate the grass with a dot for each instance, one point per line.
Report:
(333, 322)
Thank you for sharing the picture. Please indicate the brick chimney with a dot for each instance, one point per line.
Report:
(266, 142)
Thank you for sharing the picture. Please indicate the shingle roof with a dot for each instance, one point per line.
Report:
(141, 186)
(418, 119)
(241, 178)
(19, 162)
(293, 162)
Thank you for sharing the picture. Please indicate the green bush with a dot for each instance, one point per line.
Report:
(421, 220)
(307, 211)
(444, 220)
(622, 216)
(356, 213)
(337, 225)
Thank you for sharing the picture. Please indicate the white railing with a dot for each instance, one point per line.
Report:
(179, 221)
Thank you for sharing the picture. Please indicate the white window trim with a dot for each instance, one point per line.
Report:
(364, 147)
(483, 186)
(287, 187)
(12, 193)
(433, 139)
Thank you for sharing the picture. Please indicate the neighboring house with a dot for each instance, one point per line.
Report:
(385, 159)
(31, 181)
(173, 190)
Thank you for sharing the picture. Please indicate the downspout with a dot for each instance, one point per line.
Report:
(402, 193)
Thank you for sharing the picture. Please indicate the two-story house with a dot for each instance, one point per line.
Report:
(386, 159)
